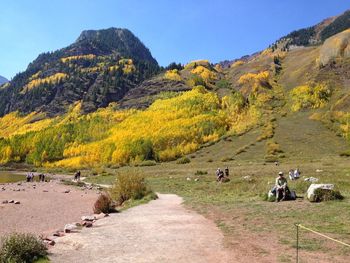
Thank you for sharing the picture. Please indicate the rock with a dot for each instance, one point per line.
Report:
(59, 233)
(45, 191)
(311, 179)
(313, 187)
(5, 202)
(88, 218)
(247, 177)
(271, 197)
(66, 191)
(100, 216)
(87, 224)
(196, 180)
(319, 171)
(11, 201)
(69, 228)
(17, 202)
(188, 179)
(49, 242)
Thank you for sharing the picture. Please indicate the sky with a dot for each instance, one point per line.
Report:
(180, 30)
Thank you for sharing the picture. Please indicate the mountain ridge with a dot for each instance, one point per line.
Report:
(98, 68)
(3, 80)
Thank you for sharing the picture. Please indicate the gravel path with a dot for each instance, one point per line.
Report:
(160, 231)
(43, 208)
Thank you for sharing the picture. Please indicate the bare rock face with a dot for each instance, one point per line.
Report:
(335, 47)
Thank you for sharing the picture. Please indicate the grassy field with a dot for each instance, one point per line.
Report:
(238, 207)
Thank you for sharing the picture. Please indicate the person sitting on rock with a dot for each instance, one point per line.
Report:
(281, 187)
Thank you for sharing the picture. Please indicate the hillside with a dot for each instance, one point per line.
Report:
(103, 101)
(98, 68)
(318, 33)
(3, 80)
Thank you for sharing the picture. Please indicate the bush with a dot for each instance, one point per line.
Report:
(19, 247)
(327, 195)
(129, 185)
(103, 204)
(147, 163)
(199, 172)
(183, 160)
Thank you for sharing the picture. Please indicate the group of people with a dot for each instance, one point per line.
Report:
(220, 174)
(30, 177)
(294, 174)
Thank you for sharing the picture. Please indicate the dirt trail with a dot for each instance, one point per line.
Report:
(160, 231)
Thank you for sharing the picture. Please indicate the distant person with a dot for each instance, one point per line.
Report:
(42, 178)
(219, 174)
(227, 172)
(291, 174)
(296, 174)
(28, 177)
(281, 187)
(77, 176)
(32, 177)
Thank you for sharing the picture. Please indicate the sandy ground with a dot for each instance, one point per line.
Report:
(43, 208)
(160, 231)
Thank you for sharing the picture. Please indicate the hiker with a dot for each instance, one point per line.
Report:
(42, 179)
(77, 176)
(219, 174)
(28, 177)
(32, 177)
(227, 172)
(281, 187)
(296, 174)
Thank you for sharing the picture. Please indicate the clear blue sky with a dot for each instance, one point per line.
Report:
(179, 30)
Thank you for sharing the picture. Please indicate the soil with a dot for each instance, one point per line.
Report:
(160, 231)
(44, 207)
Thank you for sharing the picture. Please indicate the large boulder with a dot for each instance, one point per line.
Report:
(313, 187)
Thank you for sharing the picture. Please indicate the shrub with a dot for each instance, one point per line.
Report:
(147, 163)
(314, 96)
(271, 158)
(129, 185)
(183, 160)
(199, 172)
(273, 148)
(345, 154)
(69, 182)
(18, 247)
(103, 204)
(327, 195)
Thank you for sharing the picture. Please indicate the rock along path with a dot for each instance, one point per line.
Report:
(160, 231)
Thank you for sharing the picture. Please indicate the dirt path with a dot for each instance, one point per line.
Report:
(160, 231)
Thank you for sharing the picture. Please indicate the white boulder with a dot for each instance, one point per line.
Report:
(313, 187)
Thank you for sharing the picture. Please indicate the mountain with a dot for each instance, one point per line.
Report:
(318, 33)
(3, 80)
(98, 68)
(296, 90)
